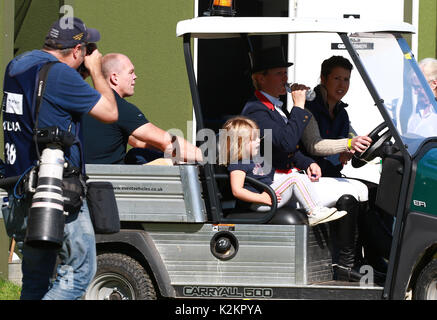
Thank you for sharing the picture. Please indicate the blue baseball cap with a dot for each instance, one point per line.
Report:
(69, 32)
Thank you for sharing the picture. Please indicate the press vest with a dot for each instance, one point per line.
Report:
(18, 120)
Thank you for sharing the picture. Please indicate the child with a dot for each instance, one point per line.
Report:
(239, 148)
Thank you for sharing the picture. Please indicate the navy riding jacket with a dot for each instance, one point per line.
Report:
(285, 136)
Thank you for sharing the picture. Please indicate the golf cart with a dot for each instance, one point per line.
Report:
(182, 235)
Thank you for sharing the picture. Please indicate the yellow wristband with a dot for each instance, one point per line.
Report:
(349, 144)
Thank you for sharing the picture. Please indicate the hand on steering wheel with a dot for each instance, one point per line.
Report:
(360, 143)
(378, 137)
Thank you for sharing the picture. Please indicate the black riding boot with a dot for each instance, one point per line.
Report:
(376, 238)
(343, 236)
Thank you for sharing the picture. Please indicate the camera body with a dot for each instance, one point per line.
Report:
(53, 135)
(90, 47)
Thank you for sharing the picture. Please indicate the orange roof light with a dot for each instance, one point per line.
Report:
(221, 8)
(223, 3)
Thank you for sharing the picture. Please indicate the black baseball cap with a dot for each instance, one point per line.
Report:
(268, 59)
(69, 32)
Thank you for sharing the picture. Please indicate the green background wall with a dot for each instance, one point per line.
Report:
(6, 53)
(427, 29)
(145, 30)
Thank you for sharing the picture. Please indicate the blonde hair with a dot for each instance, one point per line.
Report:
(234, 135)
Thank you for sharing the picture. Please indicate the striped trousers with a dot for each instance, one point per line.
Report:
(298, 191)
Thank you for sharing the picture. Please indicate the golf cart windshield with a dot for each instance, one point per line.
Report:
(405, 93)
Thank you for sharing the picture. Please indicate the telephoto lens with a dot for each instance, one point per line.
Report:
(46, 220)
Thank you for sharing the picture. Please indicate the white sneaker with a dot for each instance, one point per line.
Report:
(336, 215)
(319, 214)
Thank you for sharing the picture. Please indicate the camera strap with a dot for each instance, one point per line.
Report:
(41, 85)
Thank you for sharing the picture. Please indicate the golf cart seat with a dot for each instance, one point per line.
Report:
(235, 210)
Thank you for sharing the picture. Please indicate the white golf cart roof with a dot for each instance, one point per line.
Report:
(228, 27)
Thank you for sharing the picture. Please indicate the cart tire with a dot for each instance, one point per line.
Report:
(119, 277)
(426, 285)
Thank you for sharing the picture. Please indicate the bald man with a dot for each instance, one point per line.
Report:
(107, 143)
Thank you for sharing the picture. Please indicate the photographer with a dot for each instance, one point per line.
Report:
(66, 98)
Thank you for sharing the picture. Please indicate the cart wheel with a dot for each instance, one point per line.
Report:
(426, 286)
(119, 277)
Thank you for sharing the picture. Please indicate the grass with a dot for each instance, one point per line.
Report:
(9, 290)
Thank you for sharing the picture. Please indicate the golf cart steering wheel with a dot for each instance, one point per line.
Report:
(378, 138)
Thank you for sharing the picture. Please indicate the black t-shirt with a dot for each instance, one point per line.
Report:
(106, 143)
(254, 170)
